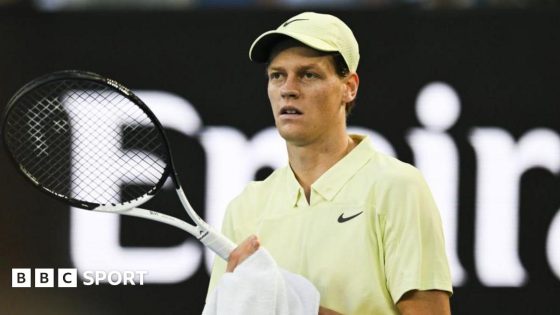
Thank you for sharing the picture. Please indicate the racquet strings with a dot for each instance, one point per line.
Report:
(84, 141)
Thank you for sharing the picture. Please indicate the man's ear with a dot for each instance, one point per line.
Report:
(352, 81)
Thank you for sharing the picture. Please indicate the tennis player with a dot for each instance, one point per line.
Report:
(360, 225)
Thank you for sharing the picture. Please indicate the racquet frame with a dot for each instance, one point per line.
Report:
(201, 230)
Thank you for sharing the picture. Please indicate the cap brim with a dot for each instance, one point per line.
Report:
(262, 46)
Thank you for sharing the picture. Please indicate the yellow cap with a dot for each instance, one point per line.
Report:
(322, 32)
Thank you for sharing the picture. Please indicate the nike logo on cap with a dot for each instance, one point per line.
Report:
(342, 219)
(292, 21)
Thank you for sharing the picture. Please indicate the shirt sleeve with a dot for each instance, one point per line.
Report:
(236, 226)
(414, 245)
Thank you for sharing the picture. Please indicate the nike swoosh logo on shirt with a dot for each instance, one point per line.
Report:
(342, 219)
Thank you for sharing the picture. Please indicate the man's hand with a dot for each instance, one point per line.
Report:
(242, 251)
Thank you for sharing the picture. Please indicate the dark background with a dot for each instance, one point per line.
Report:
(504, 64)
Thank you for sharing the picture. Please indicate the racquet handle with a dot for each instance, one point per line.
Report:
(218, 243)
(213, 239)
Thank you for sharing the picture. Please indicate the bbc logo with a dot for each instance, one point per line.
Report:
(68, 277)
(44, 278)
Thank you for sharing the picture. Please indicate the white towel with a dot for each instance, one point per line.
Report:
(259, 287)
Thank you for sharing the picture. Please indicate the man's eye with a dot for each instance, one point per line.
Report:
(310, 75)
(274, 75)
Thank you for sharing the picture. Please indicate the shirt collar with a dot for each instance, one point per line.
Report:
(332, 181)
(295, 191)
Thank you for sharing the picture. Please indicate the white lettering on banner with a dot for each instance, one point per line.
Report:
(233, 159)
(501, 163)
(435, 154)
(94, 237)
(553, 244)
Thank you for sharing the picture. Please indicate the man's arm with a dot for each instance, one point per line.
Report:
(432, 302)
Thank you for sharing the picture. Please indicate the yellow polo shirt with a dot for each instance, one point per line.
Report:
(370, 233)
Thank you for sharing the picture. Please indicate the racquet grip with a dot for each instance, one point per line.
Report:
(218, 243)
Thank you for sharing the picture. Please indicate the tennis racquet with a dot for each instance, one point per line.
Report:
(83, 139)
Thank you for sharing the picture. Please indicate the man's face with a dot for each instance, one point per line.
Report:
(307, 96)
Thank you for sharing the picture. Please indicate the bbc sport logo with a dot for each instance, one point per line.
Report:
(68, 277)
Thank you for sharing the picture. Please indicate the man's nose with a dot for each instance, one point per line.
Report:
(290, 88)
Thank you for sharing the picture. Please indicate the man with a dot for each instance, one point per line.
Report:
(361, 226)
